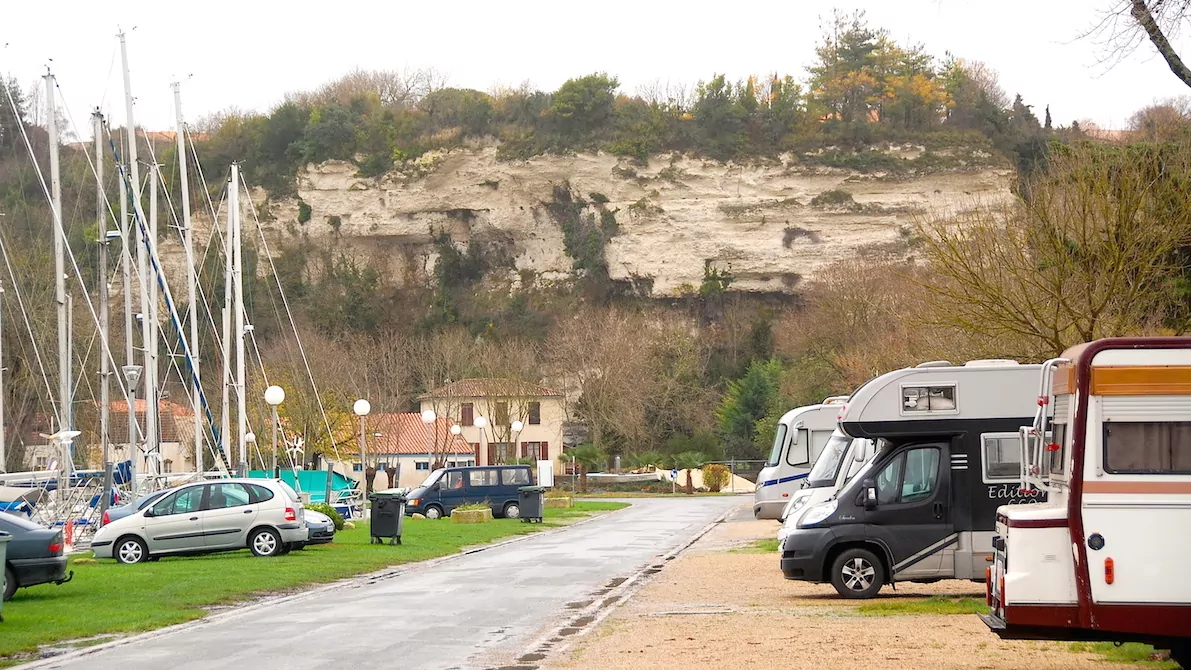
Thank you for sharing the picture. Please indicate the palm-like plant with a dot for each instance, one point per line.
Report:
(689, 460)
(645, 460)
(589, 458)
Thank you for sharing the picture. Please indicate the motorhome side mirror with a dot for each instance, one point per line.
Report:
(870, 494)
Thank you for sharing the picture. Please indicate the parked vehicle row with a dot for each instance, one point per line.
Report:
(35, 555)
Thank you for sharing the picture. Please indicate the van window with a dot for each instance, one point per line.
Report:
(453, 480)
(221, 496)
(910, 477)
(779, 441)
(182, 502)
(1000, 455)
(485, 477)
(514, 477)
(1148, 447)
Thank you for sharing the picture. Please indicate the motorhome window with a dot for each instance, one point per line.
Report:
(482, 478)
(514, 477)
(1059, 437)
(800, 448)
(930, 398)
(779, 441)
(910, 477)
(1001, 457)
(828, 463)
(1148, 447)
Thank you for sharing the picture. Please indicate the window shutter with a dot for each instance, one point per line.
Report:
(476, 447)
(524, 449)
(467, 411)
(491, 453)
(545, 452)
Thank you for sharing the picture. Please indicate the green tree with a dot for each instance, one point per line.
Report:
(10, 124)
(748, 400)
(464, 108)
(719, 119)
(583, 106)
(844, 80)
(689, 460)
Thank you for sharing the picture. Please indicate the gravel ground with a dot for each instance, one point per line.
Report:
(717, 607)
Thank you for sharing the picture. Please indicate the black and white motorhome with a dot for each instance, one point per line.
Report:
(948, 455)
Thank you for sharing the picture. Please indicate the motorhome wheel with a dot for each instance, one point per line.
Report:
(857, 573)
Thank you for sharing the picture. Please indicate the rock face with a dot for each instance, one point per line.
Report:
(760, 221)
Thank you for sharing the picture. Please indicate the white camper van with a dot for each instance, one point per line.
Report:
(1106, 557)
(842, 459)
(923, 508)
(801, 434)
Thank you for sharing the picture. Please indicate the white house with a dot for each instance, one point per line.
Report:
(402, 445)
(489, 410)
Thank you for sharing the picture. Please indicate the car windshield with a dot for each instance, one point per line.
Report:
(779, 441)
(152, 497)
(828, 463)
(434, 477)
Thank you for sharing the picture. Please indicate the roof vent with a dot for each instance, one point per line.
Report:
(836, 400)
(990, 363)
(935, 364)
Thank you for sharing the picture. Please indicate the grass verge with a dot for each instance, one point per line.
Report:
(765, 546)
(1136, 654)
(931, 605)
(108, 598)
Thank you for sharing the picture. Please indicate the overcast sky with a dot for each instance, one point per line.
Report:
(248, 53)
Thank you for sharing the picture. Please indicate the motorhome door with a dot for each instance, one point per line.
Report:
(912, 517)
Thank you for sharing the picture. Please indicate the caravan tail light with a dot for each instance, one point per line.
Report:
(290, 514)
(988, 586)
(1053, 446)
(1001, 589)
(1110, 575)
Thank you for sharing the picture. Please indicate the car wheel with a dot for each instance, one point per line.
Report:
(434, 512)
(512, 511)
(10, 584)
(130, 549)
(265, 542)
(857, 573)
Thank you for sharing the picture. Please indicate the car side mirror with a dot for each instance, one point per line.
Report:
(149, 512)
(870, 494)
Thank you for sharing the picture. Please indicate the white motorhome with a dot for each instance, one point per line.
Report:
(800, 436)
(923, 509)
(1106, 557)
(842, 459)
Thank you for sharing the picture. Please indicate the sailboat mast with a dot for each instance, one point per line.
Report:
(238, 278)
(135, 173)
(104, 316)
(64, 390)
(228, 301)
(192, 278)
(150, 332)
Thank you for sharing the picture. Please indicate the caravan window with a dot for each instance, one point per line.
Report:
(1000, 456)
(929, 398)
(779, 441)
(1148, 447)
(1059, 436)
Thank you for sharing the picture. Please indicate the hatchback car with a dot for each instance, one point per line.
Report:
(35, 555)
(120, 511)
(264, 515)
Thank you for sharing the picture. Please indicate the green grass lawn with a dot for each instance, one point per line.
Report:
(108, 598)
(1131, 652)
(931, 605)
(765, 546)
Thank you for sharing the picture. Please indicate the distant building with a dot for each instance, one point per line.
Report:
(401, 445)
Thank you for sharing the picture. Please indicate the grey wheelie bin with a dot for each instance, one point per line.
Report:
(4, 538)
(531, 500)
(388, 516)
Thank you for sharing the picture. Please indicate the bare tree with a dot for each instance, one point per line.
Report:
(435, 362)
(1130, 23)
(1164, 120)
(1091, 254)
(393, 88)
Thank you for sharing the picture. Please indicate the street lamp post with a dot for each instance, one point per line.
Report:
(480, 423)
(516, 427)
(275, 395)
(249, 444)
(132, 375)
(428, 418)
(362, 408)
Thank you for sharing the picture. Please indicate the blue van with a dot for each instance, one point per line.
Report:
(448, 488)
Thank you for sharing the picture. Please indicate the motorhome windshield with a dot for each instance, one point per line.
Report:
(828, 464)
(779, 441)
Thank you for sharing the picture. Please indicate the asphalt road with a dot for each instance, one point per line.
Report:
(481, 610)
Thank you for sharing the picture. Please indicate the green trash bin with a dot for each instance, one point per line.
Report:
(4, 538)
(388, 516)
(531, 500)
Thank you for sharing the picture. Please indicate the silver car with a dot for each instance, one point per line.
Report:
(264, 515)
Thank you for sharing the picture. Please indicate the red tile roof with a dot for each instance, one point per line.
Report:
(405, 433)
(490, 387)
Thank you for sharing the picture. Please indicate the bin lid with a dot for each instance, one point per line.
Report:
(389, 494)
(532, 489)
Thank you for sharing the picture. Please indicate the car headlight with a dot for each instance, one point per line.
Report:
(818, 513)
(414, 502)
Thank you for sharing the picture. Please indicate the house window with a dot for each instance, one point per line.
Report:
(167, 466)
(467, 414)
(422, 465)
(1148, 447)
(357, 467)
(535, 413)
(538, 451)
(502, 452)
(40, 462)
(502, 414)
